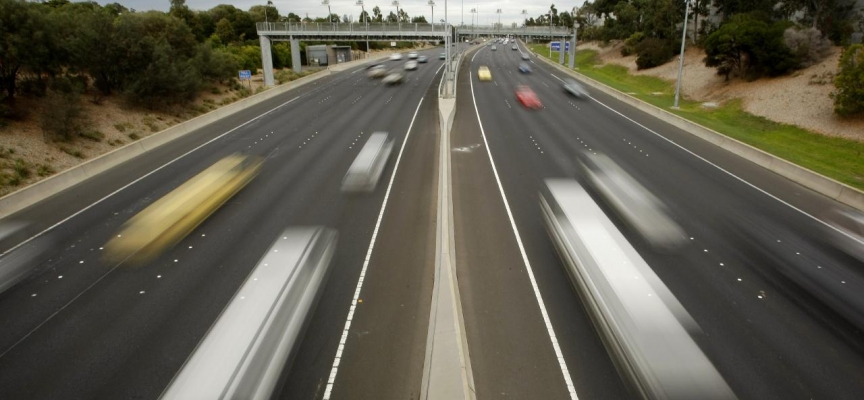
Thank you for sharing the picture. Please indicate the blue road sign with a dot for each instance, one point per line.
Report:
(556, 46)
(245, 74)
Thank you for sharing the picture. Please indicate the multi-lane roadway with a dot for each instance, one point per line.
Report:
(80, 327)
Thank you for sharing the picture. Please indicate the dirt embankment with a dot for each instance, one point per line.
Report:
(802, 98)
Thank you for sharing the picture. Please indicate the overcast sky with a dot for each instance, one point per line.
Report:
(457, 11)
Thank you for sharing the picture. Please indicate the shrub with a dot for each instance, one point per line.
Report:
(808, 45)
(849, 96)
(134, 136)
(93, 135)
(630, 45)
(21, 169)
(44, 170)
(62, 117)
(749, 47)
(653, 52)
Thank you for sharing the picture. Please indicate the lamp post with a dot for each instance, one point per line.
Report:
(432, 4)
(366, 20)
(396, 4)
(681, 57)
(525, 24)
(473, 11)
(327, 3)
(498, 11)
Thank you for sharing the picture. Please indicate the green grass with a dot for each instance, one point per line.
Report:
(838, 158)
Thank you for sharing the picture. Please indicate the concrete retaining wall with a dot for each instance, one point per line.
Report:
(48, 187)
(805, 177)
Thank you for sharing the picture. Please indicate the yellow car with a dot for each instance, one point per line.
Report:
(169, 219)
(483, 73)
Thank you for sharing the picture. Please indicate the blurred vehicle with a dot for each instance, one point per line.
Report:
(373, 65)
(647, 332)
(410, 65)
(527, 97)
(365, 171)
(412, 55)
(169, 219)
(442, 56)
(514, 47)
(422, 59)
(18, 264)
(393, 78)
(484, 74)
(524, 68)
(635, 205)
(396, 56)
(378, 71)
(525, 56)
(851, 225)
(249, 347)
(574, 88)
(494, 47)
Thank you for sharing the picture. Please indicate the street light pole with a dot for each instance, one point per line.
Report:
(681, 57)
(399, 21)
(525, 24)
(498, 11)
(366, 20)
(473, 11)
(327, 3)
(432, 21)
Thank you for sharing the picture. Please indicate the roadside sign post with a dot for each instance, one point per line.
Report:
(246, 75)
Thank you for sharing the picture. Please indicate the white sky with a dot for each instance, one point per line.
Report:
(457, 11)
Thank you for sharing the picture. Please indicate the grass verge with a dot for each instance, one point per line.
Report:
(838, 158)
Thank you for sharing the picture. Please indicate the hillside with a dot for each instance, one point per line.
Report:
(801, 98)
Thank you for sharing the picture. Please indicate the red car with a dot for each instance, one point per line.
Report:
(527, 97)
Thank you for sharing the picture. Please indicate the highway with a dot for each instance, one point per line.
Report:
(767, 336)
(79, 327)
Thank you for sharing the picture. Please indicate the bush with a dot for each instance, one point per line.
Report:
(808, 45)
(849, 96)
(631, 44)
(62, 117)
(749, 47)
(653, 52)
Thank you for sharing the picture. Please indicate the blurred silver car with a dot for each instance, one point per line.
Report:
(396, 56)
(412, 55)
(574, 88)
(378, 71)
(393, 78)
(410, 65)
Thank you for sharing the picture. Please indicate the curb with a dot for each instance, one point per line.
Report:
(447, 373)
(41, 190)
(812, 180)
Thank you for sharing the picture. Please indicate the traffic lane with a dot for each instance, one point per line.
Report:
(305, 194)
(511, 350)
(556, 128)
(48, 212)
(522, 167)
(87, 232)
(312, 365)
(385, 352)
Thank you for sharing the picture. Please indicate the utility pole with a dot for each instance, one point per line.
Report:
(432, 21)
(327, 3)
(681, 57)
(473, 11)
(365, 19)
(498, 11)
(398, 20)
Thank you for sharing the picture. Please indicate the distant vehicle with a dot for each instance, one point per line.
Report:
(393, 78)
(494, 47)
(525, 56)
(484, 74)
(527, 97)
(422, 59)
(396, 56)
(365, 172)
(442, 56)
(412, 55)
(378, 71)
(514, 47)
(410, 65)
(574, 88)
(524, 68)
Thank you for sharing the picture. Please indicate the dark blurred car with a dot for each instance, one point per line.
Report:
(574, 88)
(524, 68)
(527, 97)
(422, 59)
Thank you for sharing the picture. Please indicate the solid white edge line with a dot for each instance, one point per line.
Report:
(159, 168)
(561, 362)
(338, 358)
(781, 201)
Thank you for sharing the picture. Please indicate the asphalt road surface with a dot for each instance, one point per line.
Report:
(82, 328)
(769, 337)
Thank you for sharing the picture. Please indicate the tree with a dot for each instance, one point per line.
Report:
(25, 42)
(364, 17)
(403, 16)
(420, 20)
(225, 31)
(264, 13)
(849, 96)
(377, 13)
(392, 17)
(293, 17)
(180, 10)
(749, 47)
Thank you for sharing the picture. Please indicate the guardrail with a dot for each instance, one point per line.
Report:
(325, 27)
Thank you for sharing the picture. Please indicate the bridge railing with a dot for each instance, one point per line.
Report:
(326, 27)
